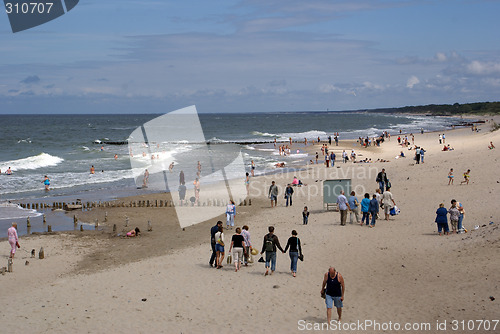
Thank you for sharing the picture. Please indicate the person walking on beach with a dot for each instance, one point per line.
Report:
(388, 201)
(333, 288)
(454, 216)
(305, 216)
(466, 177)
(13, 239)
(345, 157)
(442, 220)
(354, 205)
(46, 182)
(332, 159)
(288, 194)
(248, 244)
(273, 194)
(327, 160)
(417, 155)
(230, 213)
(450, 176)
(239, 248)
(444, 139)
(422, 151)
(196, 184)
(317, 156)
(253, 168)
(213, 242)
(182, 193)
(343, 206)
(381, 180)
(271, 243)
(373, 209)
(365, 206)
(440, 139)
(144, 180)
(181, 177)
(295, 251)
(219, 247)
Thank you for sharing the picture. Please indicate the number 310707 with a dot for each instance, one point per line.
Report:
(29, 8)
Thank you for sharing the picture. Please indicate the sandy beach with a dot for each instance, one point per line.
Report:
(401, 271)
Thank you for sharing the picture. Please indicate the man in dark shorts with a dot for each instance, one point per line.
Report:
(213, 230)
(334, 288)
(273, 194)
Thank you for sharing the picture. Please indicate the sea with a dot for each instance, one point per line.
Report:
(64, 147)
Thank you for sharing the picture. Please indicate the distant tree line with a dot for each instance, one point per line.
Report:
(490, 108)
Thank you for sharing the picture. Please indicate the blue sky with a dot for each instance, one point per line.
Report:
(147, 56)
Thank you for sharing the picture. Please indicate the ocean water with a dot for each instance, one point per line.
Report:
(64, 147)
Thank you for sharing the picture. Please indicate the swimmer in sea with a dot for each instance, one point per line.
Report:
(92, 170)
(9, 171)
(46, 182)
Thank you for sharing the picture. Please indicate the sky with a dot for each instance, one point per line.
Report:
(148, 56)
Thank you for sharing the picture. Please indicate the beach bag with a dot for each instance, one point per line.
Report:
(394, 211)
(262, 259)
(301, 256)
(269, 244)
(254, 251)
(229, 259)
(250, 259)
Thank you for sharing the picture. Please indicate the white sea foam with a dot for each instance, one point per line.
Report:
(41, 160)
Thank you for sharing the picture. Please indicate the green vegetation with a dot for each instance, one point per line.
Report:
(479, 108)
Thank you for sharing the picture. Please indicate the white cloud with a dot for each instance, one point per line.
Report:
(483, 68)
(412, 81)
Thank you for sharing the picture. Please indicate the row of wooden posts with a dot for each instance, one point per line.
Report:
(10, 262)
(131, 204)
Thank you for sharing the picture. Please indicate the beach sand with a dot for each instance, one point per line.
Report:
(401, 271)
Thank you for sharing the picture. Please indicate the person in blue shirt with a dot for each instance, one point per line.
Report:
(442, 220)
(354, 205)
(373, 209)
(365, 205)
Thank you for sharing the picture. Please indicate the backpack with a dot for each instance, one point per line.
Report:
(268, 247)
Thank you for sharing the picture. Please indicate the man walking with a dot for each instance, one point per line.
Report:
(381, 180)
(269, 246)
(273, 194)
(213, 230)
(333, 288)
(288, 194)
(343, 206)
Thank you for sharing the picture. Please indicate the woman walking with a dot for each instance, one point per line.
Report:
(295, 251)
(219, 247)
(442, 220)
(13, 239)
(239, 248)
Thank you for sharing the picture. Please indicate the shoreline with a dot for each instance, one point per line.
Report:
(401, 262)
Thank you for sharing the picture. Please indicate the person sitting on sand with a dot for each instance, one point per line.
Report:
(279, 164)
(134, 233)
(491, 146)
(402, 155)
(295, 181)
(445, 148)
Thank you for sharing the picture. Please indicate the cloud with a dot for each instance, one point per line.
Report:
(29, 80)
(412, 81)
(483, 68)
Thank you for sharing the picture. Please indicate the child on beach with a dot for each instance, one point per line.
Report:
(466, 177)
(46, 182)
(305, 216)
(450, 176)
